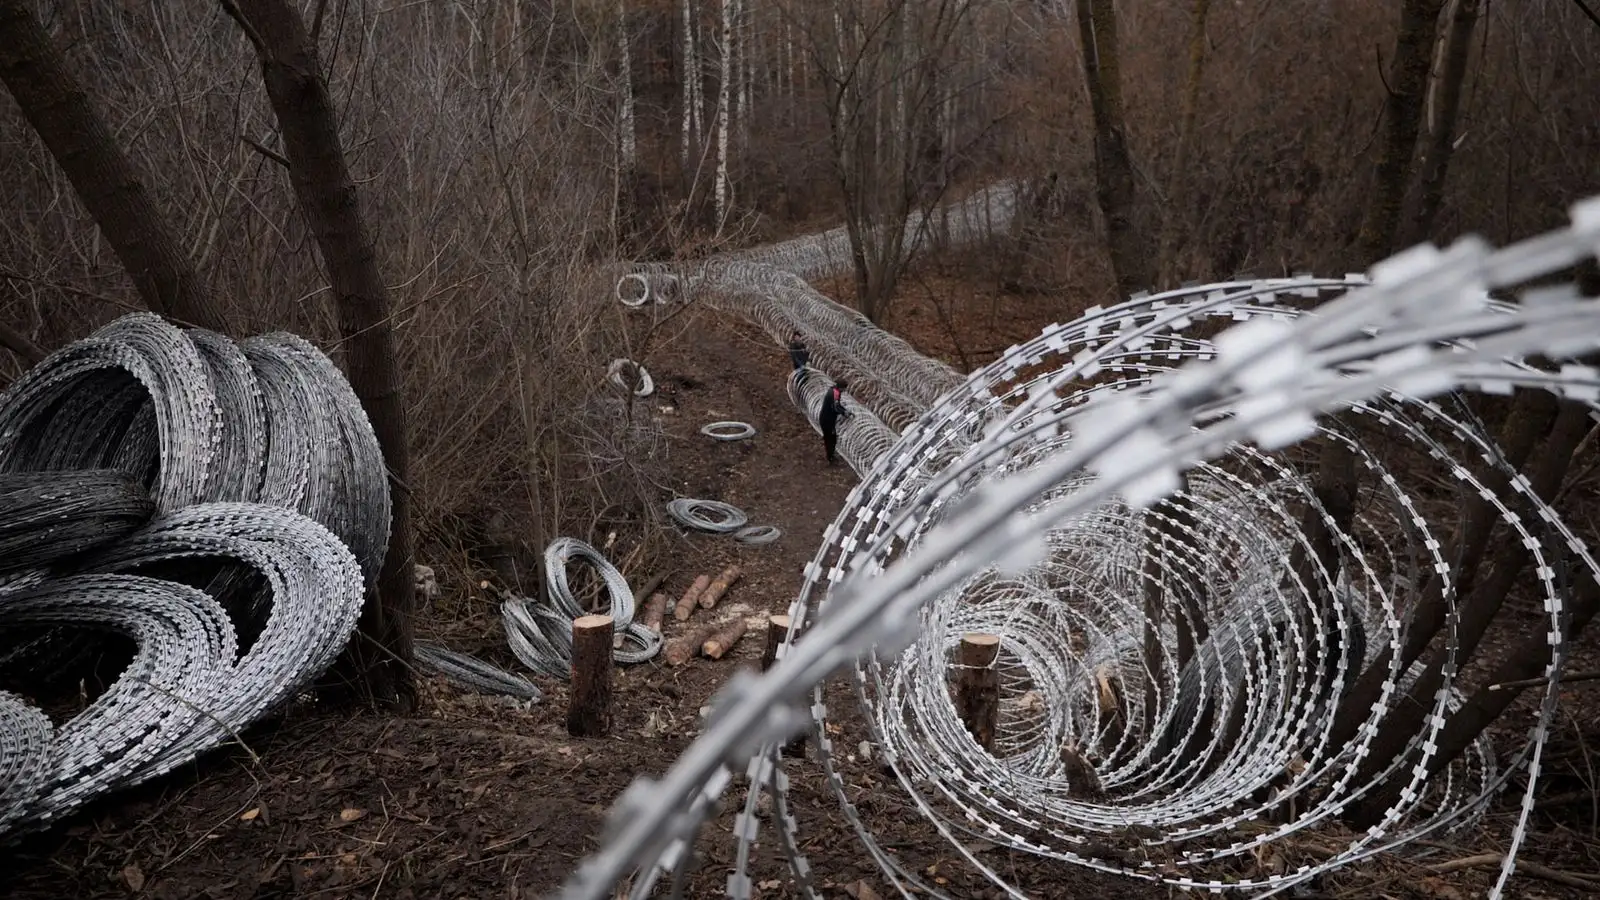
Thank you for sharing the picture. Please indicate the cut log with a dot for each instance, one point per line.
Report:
(655, 611)
(691, 596)
(777, 633)
(714, 592)
(589, 705)
(978, 686)
(718, 645)
(681, 650)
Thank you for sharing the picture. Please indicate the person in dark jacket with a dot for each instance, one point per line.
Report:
(833, 409)
(799, 353)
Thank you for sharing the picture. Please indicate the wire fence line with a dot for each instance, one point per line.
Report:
(1021, 504)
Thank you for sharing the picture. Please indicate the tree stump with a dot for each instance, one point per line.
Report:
(691, 596)
(978, 686)
(589, 706)
(777, 633)
(718, 587)
(718, 645)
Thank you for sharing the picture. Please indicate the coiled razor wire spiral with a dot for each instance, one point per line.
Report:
(630, 376)
(863, 438)
(767, 286)
(728, 431)
(1035, 532)
(758, 535)
(271, 518)
(540, 634)
(712, 516)
(476, 674)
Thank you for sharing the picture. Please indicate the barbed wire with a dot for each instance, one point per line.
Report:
(270, 510)
(1022, 504)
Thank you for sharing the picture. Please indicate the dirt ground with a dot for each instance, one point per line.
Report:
(479, 797)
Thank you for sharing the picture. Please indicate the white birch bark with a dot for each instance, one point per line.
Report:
(625, 120)
(691, 69)
(724, 100)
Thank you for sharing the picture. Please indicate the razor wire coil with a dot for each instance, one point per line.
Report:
(712, 516)
(241, 506)
(1026, 503)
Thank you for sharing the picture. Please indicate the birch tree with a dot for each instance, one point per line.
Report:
(883, 67)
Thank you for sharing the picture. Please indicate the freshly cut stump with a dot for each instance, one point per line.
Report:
(777, 633)
(978, 686)
(589, 706)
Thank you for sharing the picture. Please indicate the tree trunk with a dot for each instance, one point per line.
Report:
(381, 655)
(1408, 78)
(1446, 108)
(978, 687)
(724, 88)
(54, 103)
(1115, 187)
(1477, 614)
(626, 137)
(1527, 425)
(1337, 483)
(1190, 109)
(1529, 660)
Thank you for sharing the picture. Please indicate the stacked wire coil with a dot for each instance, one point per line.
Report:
(540, 634)
(1024, 505)
(242, 509)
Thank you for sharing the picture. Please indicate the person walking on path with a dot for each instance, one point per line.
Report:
(799, 353)
(833, 409)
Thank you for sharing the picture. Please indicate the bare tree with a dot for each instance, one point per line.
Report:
(1402, 118)
(298, 91)
(1115, 187)
(1445, 86)
(885, 67)
(1187, 115)
(57, 107)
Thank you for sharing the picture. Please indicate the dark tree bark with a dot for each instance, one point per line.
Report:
(1447, 107)
(1525, 662)
(1408, 79)
(1477, 612)
(1115, 187)
(55, 104)
(1527, 425)
(589, 703)
(1187, 115)
(297, 88)
(1337, 485)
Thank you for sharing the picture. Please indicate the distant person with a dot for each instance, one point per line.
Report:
(833, 409)
(799, 353)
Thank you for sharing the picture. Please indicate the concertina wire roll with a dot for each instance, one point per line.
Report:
(1041, 498)
(221, 506)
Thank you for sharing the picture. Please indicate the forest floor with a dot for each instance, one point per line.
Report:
(476, 797)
